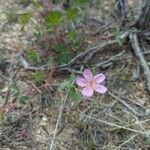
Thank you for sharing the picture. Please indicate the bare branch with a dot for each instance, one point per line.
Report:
(139, 55)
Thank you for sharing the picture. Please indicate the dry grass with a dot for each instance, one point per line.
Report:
(51, 120)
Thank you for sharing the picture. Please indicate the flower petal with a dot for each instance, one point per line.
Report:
(88, 74)
(87, 91)
(81, 82)
(100, 88)
(99, 78)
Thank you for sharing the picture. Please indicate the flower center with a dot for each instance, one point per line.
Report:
(91, 83)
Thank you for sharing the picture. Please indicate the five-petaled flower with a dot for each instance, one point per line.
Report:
(90, 83)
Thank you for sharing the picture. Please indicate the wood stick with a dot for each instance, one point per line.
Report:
(139, 55)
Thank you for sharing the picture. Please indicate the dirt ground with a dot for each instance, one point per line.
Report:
(117, 120)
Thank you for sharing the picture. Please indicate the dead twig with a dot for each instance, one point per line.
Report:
(127, 141)
(115, 125)
(103, 46)
(124, 103)
(27, 66)
(130, 108)
(89, 52)
(63, 102)
(111, 60)
(139, 55)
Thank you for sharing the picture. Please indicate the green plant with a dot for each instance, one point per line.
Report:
(74, 39)
(37, 3)
(25, 18)
(69, 84)
(34, 56)
(11, 15)
(22, 98)
(39, 77)
(81, 2)
(38, 32)
(64, 55)
(72, 14)
(54, 30)
(75, 94)
(1, 116)
(25, 2)
(53, 19)
(118, 36)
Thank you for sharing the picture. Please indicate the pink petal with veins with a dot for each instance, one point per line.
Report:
(81, 82)
(87, 91)
(88, 74)
(99, 78)
(100, 88)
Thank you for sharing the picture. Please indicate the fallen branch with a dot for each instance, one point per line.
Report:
(139, 55)
(27, 66)
(88, 53)
(111, 60)
(124, 103)
(104, 45)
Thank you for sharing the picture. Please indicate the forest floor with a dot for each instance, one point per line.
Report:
(116, 120)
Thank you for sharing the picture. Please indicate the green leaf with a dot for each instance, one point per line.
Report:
(61, 47)
(50, 60)
(15, 88)
(34, 56)
(37, 4)
(74, 39)
(25, 2)
(68, 83)
(11, 15)
(72, 14)
(18, 93)
(1, 116)
(53, 19)
(81, 2)
(118, 38)
(73, 36)
(23, 99)
(25, 18)
(72, 77)
(39, 77)
(71, 80)
(64, 55)
(75, 94)
(64, 84)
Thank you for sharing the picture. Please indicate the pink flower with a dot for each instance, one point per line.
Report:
(90, 83)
